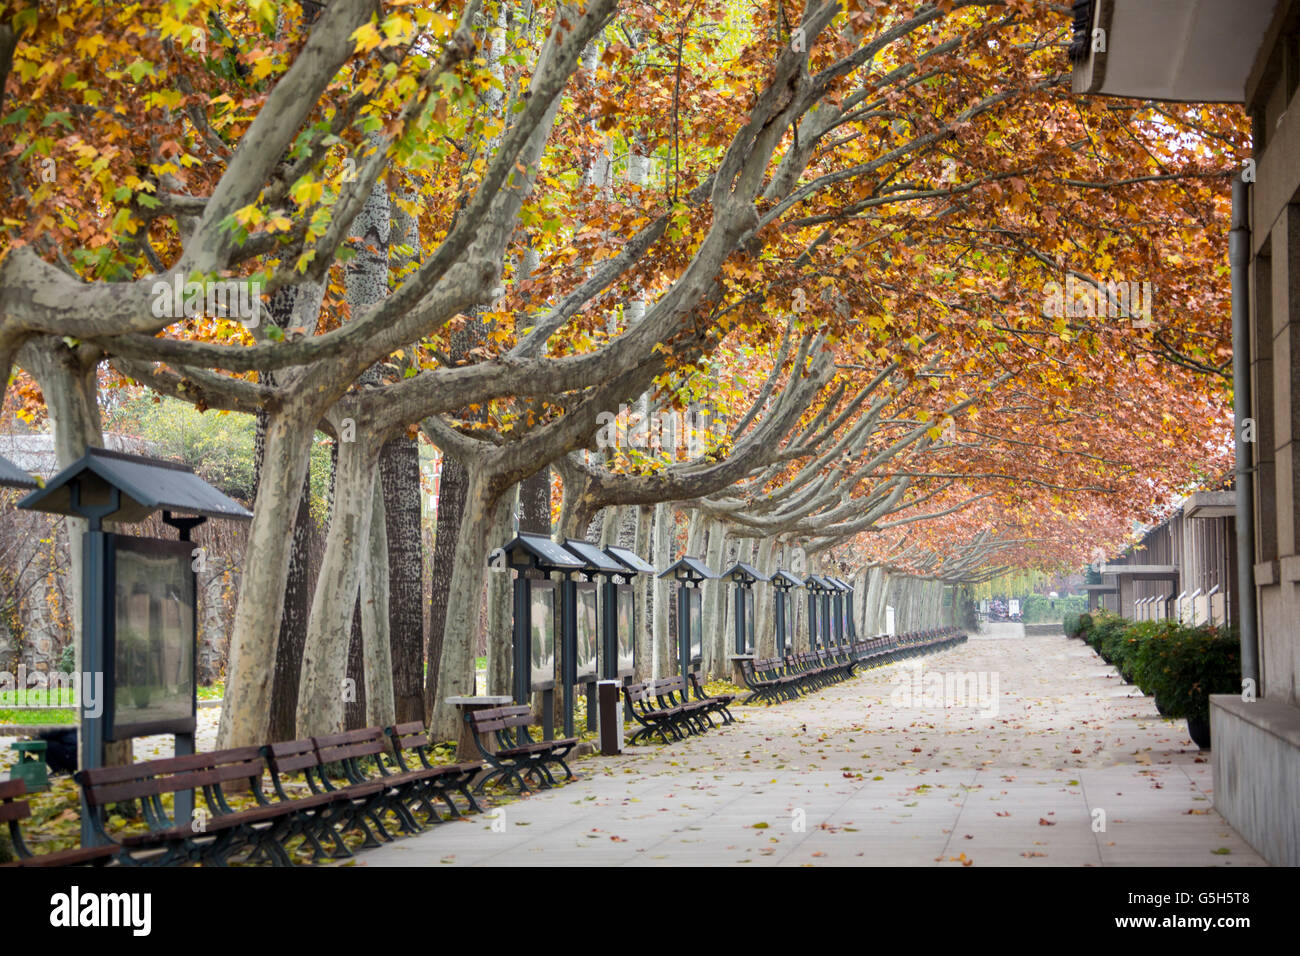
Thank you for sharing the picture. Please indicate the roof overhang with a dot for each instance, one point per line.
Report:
(1211, 504)
(1181, 50)
(11, 476)
(145, 485)
(1142, 572)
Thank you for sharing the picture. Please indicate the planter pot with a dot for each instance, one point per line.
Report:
(1199, 731)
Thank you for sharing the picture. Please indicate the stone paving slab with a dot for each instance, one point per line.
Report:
(862, 774)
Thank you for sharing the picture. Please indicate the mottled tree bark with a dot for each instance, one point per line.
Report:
(381, 711)
(663, 606)
(464, 605)
(642, 586)
(399, 471)
(293, 624)
(451, 510)
(354, 699)
(334, 641)
(765, 604)
(535, 503)
(713, 615)
(500, 663)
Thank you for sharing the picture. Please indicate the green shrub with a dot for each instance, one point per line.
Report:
(218, 445)
(1129, 649)
(1123, 648)
(1182, 666)
(1079, 625)
(1179, 665)
(1106, 628)
(1149, 660)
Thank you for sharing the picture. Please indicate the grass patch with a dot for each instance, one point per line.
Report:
(41, 715)
(39, 697)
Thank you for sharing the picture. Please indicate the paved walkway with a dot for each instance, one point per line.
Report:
(1056, 763)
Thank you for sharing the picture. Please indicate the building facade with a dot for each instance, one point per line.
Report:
(1244, 52)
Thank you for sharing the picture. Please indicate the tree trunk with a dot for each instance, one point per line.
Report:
(399, 472)
(325, 690)
(535, 504)
(712, 614)
(354, 692)
(642, 590)
(246, 712)
(376, 642)
(284, 305)
(464, 605)
(664, 533)
(293, 620)
(765, 603)
(500, 663)
(452, 488)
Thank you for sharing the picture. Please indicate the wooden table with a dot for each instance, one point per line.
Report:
(738, 667)
(466, 749)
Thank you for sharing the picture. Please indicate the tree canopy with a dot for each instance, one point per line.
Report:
(949, 319)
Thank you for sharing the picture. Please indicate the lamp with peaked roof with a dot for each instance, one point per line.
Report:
(139, 602)
(689, 573)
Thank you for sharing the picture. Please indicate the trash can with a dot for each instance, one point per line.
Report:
(30, 767)
(611, 717)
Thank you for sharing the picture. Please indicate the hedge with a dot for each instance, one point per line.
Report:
(1179, 665)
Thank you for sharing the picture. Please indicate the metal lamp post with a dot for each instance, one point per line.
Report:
(619, 653)
(139, 608)
(592, 631)
(818, 611)
(534, 557)
(783, 582)
(689, 573)
(743, 577)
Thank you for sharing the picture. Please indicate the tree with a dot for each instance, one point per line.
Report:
(905, 181)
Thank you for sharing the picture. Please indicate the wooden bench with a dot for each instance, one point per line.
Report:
(211, 838)
(672, 692)
(412, 739)
(768, 681)
(13, 809)
(875, 651)
(675, 706)
(353, 780)
(716, 705)
(814, 672)
(777, 679)
(653, 716)
(343, 765)
(323, 810)
(404, 789)
(517, 755)
(342, 791)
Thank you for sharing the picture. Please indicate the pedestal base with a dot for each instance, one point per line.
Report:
(466, 749)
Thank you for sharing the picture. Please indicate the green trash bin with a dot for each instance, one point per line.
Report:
(31, 764)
